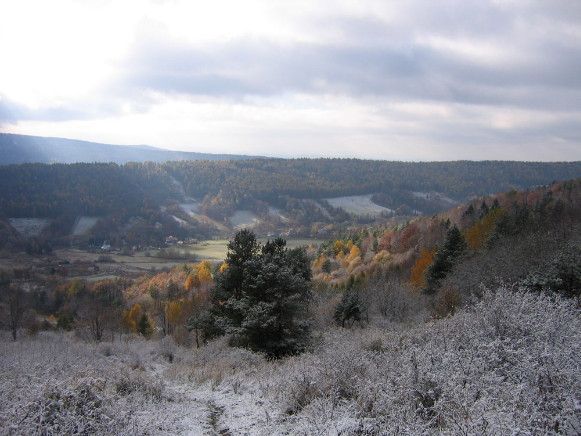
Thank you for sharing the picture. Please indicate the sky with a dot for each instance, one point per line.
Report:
(413, 80)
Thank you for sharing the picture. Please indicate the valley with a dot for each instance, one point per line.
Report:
(195, 298)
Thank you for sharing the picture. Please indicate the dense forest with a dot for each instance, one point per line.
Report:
(141, 196)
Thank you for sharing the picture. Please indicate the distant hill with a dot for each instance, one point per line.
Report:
(18, 149)
(145, 202)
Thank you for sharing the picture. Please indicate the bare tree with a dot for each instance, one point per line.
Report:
(16, 306)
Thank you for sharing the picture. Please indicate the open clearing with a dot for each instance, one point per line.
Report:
(29, 226)
(84, 224)
(217, 249)
(244, 219)
(358, 205)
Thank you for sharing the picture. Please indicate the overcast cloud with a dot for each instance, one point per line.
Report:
(411, 80)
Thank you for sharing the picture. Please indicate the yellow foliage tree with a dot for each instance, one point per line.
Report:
(204, 272)
(338, 247)
(354, 253)
(130, 318)
(382, 257)
(191, 280)
(318, 263)
(349, 245)
(477, 235)
(418, 278)
(174, 312)
(200, 274)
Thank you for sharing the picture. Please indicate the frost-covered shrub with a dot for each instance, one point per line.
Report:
(214, 363)
(167, 348)
(131, 383)
(106, 349)
(509, 362)
(52, 384)
(71, 410)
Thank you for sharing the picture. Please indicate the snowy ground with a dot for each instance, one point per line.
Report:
(358, 205)
(509, 365)
(190, 208)
(29, 226)
(84, 224)
(244, 219)
(436, 196)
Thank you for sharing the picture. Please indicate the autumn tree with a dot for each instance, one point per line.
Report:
(418, 277)
(478, 234)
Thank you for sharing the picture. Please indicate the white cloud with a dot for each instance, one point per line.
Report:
(408, 80)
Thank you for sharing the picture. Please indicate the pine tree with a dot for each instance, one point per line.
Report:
(453, 246)
(144, 326)
(262, 297)
(348, 309)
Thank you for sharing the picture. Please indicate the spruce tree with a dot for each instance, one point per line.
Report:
(262, 296)
(453, 246)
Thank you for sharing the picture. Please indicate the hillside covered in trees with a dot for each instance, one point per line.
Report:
(466, 322)
(146, 202)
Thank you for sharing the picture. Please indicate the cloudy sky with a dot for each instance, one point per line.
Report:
(396, 80)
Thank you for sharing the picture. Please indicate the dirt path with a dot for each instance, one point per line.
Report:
(222, 412)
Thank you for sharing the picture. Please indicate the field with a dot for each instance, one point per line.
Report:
(84, 224)
(358, 205)
(29, 226)
(112, 264)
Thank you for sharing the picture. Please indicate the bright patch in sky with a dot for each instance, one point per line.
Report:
(413, 80)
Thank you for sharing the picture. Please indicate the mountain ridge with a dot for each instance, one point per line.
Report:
(19, 149)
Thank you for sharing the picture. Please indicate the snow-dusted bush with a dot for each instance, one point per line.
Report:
(509, 362)
(52, 384)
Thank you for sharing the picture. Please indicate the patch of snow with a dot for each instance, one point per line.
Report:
(277, 213)
(324, 211)
(358, 205)
(423, 195)
(244, 219)
(180, 221)
(437, 196)
(29, 226)
(190, 208)
(84, 224)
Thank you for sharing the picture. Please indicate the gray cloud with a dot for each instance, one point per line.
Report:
(8, 114)
(262, 68)
(509, 73)
(382, 59)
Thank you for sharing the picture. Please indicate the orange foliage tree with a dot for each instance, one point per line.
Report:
(418, 277)
(477, 235)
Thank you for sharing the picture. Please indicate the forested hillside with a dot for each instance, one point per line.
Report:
(427, 266)
(132, 201)
(463, 322)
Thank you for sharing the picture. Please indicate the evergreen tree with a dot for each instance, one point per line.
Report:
(484, 209)
(453, 246)
(262, 296)
(348, 309)
(562, 275)
(144, 326)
